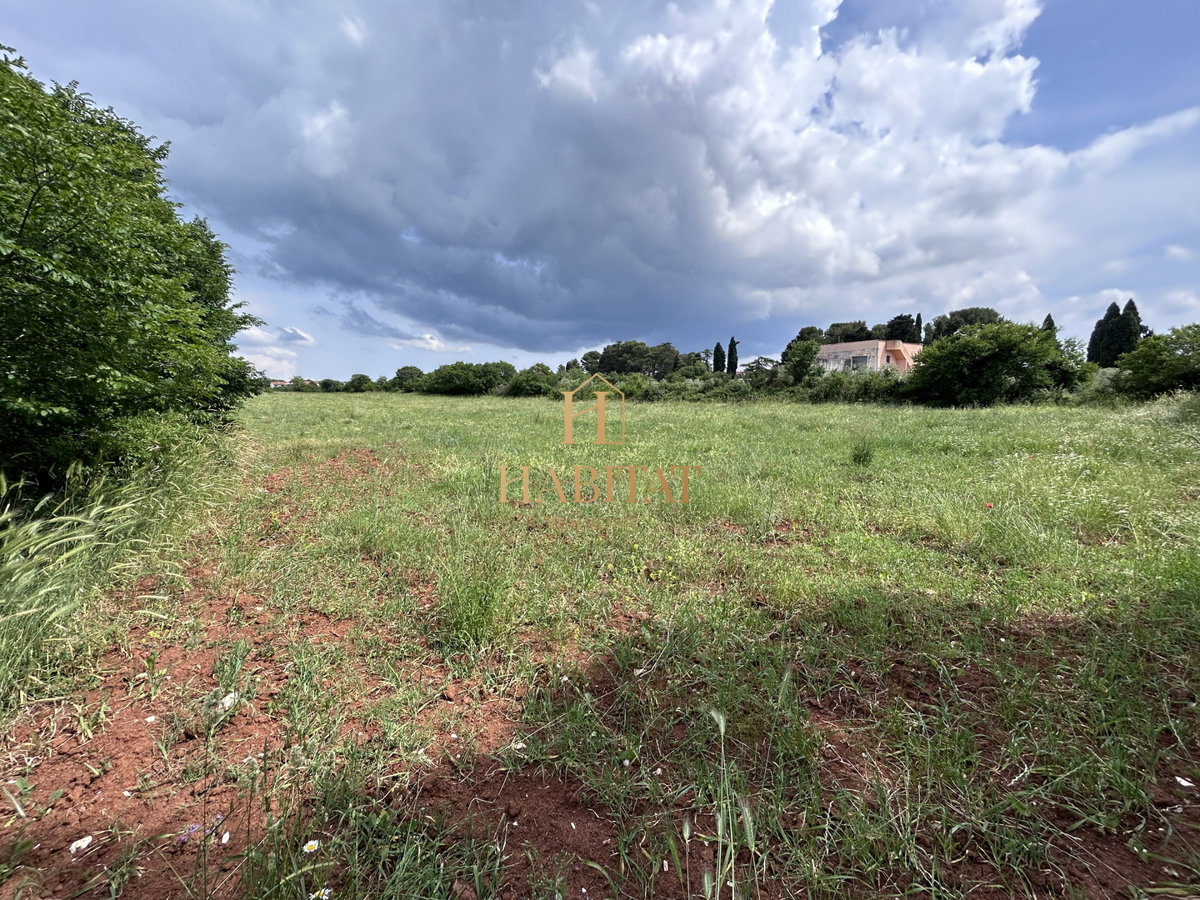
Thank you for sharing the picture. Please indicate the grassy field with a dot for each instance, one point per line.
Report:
(880, 651)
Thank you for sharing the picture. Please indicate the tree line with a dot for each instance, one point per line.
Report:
(970, 357)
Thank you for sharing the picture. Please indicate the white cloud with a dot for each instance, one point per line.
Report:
(1112, 150)
(1181, 307)
(544, 174)
(260, 337)
(431, 343)
(295, 336)
(272, 352)
(573, 73)
(354, 29)
(255, 336)
(274, 362)
(327, 140)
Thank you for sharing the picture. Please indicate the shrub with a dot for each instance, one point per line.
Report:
(1162, 363)
(110, 306)
(986, 364)
(539, 380)
(461, 378)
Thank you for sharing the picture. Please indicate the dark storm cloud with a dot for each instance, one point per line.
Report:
(548, 175)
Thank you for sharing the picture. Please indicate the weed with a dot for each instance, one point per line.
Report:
(862, 451)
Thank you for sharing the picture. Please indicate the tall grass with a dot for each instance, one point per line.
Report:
(61, 554)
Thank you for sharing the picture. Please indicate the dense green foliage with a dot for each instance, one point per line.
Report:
(539, 380)
(111, 308)
(627, 357)
(902, 328)
(800, 355)
(461, 378)
(1162, 363)
(958, 319)
(981, 365)
(718, 359)
(405, 378)
(1117, 332)
(845, 332)
(731, 359)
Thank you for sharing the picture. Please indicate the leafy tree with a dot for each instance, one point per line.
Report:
(539, 380)
(956, 320)
(731, 360)
(591, 362)
(360, 384)
(845, 332)
(800, 355)
(330, 385)
(571, 364)
(902, 328)
(462, 378)
(663, 359)
(110, 307)
(1071, 370)
(624, 357)
(406, 378)
(628, 357)
(879, 332)
(760, 371)
(718, 359)
(1162, 363)
(1048, 324)
(811, 333)
(691, 365)
(985, 364)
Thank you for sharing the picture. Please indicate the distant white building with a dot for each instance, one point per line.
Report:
(870, 355)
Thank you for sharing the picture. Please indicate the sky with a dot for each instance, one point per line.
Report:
(414, 183)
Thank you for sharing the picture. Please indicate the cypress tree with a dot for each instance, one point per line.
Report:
(1048, 324)
(917, 339)
(1100, 344)
(718, 358)
(731, 365)
(1127, 331)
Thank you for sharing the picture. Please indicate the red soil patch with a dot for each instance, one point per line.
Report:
(116, 785)
(785, 533)
(544, 823)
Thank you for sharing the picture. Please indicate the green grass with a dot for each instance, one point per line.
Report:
(877, 643)
(61, 555)
(876, 640)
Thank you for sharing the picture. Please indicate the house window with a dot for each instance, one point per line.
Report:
(889, 357)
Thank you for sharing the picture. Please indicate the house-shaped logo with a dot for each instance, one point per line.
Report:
(569, 411)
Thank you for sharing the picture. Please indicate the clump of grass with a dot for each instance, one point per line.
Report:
(467, 610)
(338, 839)
(64, 551)
(862, 450)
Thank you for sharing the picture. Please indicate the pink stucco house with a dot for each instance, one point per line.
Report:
(872, 355)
